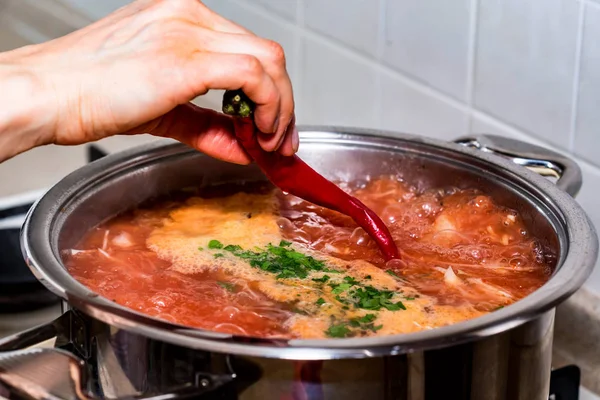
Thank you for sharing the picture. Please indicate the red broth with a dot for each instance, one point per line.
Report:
(462, 256)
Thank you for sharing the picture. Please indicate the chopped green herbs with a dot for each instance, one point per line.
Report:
(369, 298)
(350, 280)
(392, 273)
(281, 260)
(226, 285)
(215, 244)
(287, 263)
(332, 271)
(200, 248)
(353, 327)
(366, 319)
(338, 331)
(340, 288)
(338, 298)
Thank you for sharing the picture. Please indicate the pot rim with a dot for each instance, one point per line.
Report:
(578, 256)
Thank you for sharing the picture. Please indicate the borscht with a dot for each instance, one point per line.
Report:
(250, 260)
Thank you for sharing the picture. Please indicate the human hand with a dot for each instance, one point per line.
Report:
(136, 70)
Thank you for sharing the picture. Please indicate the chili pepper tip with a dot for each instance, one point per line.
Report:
(237, 104)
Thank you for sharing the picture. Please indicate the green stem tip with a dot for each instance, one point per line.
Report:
(237, 104)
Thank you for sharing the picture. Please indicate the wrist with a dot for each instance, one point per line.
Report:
(25, 121)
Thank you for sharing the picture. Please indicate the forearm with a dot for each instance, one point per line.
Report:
(24, 123)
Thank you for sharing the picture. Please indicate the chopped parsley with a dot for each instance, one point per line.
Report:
(369, 298)
(226, 285)
(366, 319)
(281, 260)
(332, 271)
(287, 263)
(338, 298)
(350, 280)
(354, 326)
(338, 331)
(392, 273)
(322, 279)
(365, 323)
(215, 244)
(340, 287)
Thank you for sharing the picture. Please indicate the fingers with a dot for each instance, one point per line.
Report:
(220, 71)
(205, 130)
(290, 140)
(272, 58)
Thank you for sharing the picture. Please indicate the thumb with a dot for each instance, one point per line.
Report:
(205, 130)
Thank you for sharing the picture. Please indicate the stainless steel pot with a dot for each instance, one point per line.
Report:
(104, 350)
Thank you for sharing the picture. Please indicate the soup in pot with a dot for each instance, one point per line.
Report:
(251, 260)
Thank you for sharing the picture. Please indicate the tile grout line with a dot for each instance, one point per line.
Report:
(576, 75)
(471, 61)
(298, 48)
(471, 52)
(590, 3)
(380, 43)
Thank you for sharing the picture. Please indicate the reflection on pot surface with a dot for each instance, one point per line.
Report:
(122, 365)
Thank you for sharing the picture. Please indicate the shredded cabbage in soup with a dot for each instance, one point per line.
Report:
(250, 260)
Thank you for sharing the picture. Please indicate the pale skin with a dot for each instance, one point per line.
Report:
(135, 72)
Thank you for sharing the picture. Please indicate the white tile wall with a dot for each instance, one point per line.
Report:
(286, 8)
(525, 63)
(353, 22)
(406, 109)
(588, 116)
(429, 40)
(326, 78)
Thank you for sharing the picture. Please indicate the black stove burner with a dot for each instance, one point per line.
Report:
(19, 290)
(564, 383)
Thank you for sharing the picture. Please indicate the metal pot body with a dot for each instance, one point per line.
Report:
(115, 363)
(505, 354)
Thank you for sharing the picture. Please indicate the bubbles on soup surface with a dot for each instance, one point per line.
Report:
(257, 262)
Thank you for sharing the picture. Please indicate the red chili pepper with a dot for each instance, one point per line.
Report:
(294, 176)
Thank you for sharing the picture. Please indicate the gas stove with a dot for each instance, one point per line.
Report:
(25, 303)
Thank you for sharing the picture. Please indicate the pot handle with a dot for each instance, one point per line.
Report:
(44, 373)
(41, 373)
(545, 162)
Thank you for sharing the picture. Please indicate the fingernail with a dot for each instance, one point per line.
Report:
(276, 124)
(280, 142)
(295, 140)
